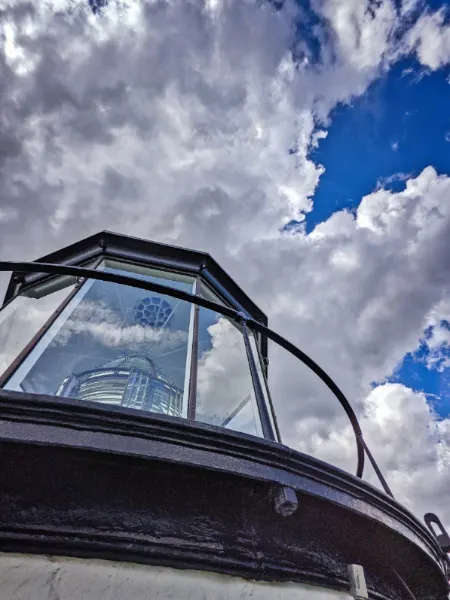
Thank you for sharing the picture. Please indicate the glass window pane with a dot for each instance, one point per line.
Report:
(178, 281)
(205, 292)
(23, 317)
(114, 344)
(224, 387)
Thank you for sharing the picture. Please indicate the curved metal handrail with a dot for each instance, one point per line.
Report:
(58, 269)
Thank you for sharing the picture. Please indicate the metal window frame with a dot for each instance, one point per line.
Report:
(224, 310)
(31, 345)
(267, 387)
(201, 286)
(190, 359)
(20, 361)
(106, 244)
(163, 256)
(266, 423)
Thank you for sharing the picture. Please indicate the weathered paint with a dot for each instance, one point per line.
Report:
(25, 577)
(82, 481)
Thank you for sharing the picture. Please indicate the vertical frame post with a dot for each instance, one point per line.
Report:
(192, 398)
(26, 351)
(264, 373)
(266, 423)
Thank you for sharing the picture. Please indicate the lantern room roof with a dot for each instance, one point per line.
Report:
(132, 249)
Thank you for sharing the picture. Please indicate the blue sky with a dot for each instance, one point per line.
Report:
(414, 373)
(398, 127)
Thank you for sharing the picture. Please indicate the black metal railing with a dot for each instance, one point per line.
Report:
(246, 322)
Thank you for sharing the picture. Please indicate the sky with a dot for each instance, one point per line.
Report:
(305, 146)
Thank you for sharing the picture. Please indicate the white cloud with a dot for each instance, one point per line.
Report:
(362, 31)
(175, 117)
(410, 6)
(410, 445)
(318, 135)
(22, 320)
(107, 327)
(384, 182)
(174, 121)
(360, 290)
(218, 394)
(430, 37)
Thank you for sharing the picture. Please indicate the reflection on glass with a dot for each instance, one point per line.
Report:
(120, 345)
(24, 316)
(225, 394)
(114, 344)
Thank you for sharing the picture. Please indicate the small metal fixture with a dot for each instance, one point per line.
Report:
(443, 538)
(358, 588)
(285, 500)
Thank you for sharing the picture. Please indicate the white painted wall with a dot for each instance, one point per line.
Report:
(26, 577)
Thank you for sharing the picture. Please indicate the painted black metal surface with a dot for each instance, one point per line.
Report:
(165, 256)
(81, 479)
(266, 423)
(443, 538)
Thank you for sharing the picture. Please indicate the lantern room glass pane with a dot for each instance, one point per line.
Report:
(120, 345)
(225, 394)
(114, 344)
(25, 315)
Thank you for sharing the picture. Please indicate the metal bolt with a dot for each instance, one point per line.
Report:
(285, 501)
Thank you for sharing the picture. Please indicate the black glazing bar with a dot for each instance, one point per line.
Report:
(89, 260)
(269, 396)
(377, 470)
(192, 398)
(157, 262)
(203, 302)
(259, 394)
(222, 290)
(39, 334)
(84, 257)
